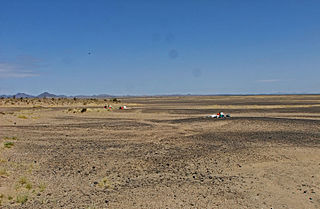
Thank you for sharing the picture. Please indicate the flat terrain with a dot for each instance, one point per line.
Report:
(161, 152)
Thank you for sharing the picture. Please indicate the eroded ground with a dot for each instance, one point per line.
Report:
(162, 152)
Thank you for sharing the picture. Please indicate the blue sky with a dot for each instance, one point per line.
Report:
(159, 47)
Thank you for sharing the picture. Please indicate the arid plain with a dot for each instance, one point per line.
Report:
(161, 152)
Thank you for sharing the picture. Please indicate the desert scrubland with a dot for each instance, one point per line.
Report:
(161, 152)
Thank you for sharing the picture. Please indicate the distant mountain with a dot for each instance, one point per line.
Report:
(23, 95)
(46, 95)
(4, 96)
(49, 95)
(102, 96)
(18, 95)
(94, 96)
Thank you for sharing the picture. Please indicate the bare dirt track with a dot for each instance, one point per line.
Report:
(162, 152)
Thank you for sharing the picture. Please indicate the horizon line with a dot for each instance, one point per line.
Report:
(51, 95)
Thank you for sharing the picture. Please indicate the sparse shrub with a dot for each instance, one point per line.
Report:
(23, 180)
(8, 144)
(28, 186)
(105, 182)
(10, 138)
(3, 172)
(22, 117)
(42, 187)
(22, 199)
(115, 100)
(10, 197)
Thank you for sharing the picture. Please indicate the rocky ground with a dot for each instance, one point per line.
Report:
(161, 152)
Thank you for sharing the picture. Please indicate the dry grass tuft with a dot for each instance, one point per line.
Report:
(22, 198)
(22, 117)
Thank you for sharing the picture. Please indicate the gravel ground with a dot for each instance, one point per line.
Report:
(163, 153)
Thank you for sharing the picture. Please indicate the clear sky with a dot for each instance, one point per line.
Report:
(146, 47)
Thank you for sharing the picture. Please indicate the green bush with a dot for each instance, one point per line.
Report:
(8, 144)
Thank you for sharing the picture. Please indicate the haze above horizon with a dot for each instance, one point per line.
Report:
(159, 47)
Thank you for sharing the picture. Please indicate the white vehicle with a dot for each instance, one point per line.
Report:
(219, 115)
